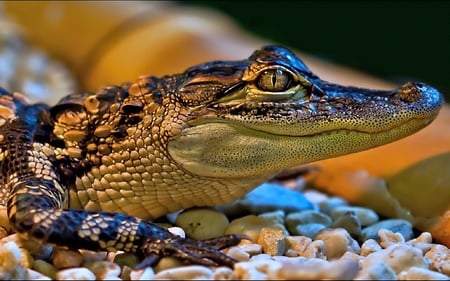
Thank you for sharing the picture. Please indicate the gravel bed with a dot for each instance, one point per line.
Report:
(323, 239)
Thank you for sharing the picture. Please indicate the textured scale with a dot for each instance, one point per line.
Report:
(93, 170)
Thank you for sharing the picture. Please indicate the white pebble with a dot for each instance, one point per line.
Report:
(185, 273)
(104, 269)
(376, 271)
(223, 273)
(238, 253)
(142, 274)
(35, 275)
(315, 250)
(76, 273)
(177, 231)
(399, 257)
(370, 246)
(388, 238)
(337, 242)
(10, 256)
(419, 273)
(256, 269)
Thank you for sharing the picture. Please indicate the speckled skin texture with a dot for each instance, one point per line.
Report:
(91, 171)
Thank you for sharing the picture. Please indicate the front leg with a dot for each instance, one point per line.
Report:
(33, 210)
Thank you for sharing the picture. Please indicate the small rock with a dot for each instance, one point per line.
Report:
(202, 223)
(297, 244)
(252, 248)
(423, 242)
(45, 268)
(337, 242)
(10, 256)
(128, 259)
(314, 269)
(348, 221)
(256, 269)
(238, 253)
(185, 273)
(315, 250)
(250, 225)
(399, 257)
(306, 217)
(388, 238)
(366, 216)
(370, 246)
(272, 241)
(35, 275)
(223, 273)
(328, 205)
(275, 217)
(376, 271)
(261, 200)
(419, 273)
(76, 273)
(309, 229)
(104, 269)
(167, 263)
(395, 225)
(439, 255)
(63, 258)
(142, 274)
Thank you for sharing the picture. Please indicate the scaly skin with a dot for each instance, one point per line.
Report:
(92, 171)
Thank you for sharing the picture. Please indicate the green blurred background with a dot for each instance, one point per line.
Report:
(394, 40)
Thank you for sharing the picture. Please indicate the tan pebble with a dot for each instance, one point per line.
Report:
(89, 256)
(344, 269)
(223, 273)
(388, 238)
(297, 245)
(423, 242)
(103, 269)
(185, 272)
(272, 241)
(439, 255)
(35, 275)
(63, 258)
(419, 273)
(398, 256)
(238, 253)
(76, 273)
(128, 259)
(251, 248)
(142, 274)
(376, 271)
(275, 217)
(370, 246)
(202, 223)
(315, 250)
(126, 271)
(353, 256)
(337, 242)
(256, 269)
(250, 225)
(45, 268)
(167, 263)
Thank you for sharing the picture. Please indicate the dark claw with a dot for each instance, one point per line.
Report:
(206, 252)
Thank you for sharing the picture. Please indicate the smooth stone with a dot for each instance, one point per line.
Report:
(365, 215)
(294, 220)
(268, 197)
(337, 242)
(395, 225)
(309, 229)
(202, 223)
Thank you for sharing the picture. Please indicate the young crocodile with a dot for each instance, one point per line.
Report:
(93, 170)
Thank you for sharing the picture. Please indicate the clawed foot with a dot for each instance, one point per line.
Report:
(206, 252)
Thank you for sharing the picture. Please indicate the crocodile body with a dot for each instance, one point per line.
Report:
(93, 171)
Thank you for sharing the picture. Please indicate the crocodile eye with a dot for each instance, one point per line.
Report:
(274, 80)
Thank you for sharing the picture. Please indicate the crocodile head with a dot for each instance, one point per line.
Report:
(253, 117)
